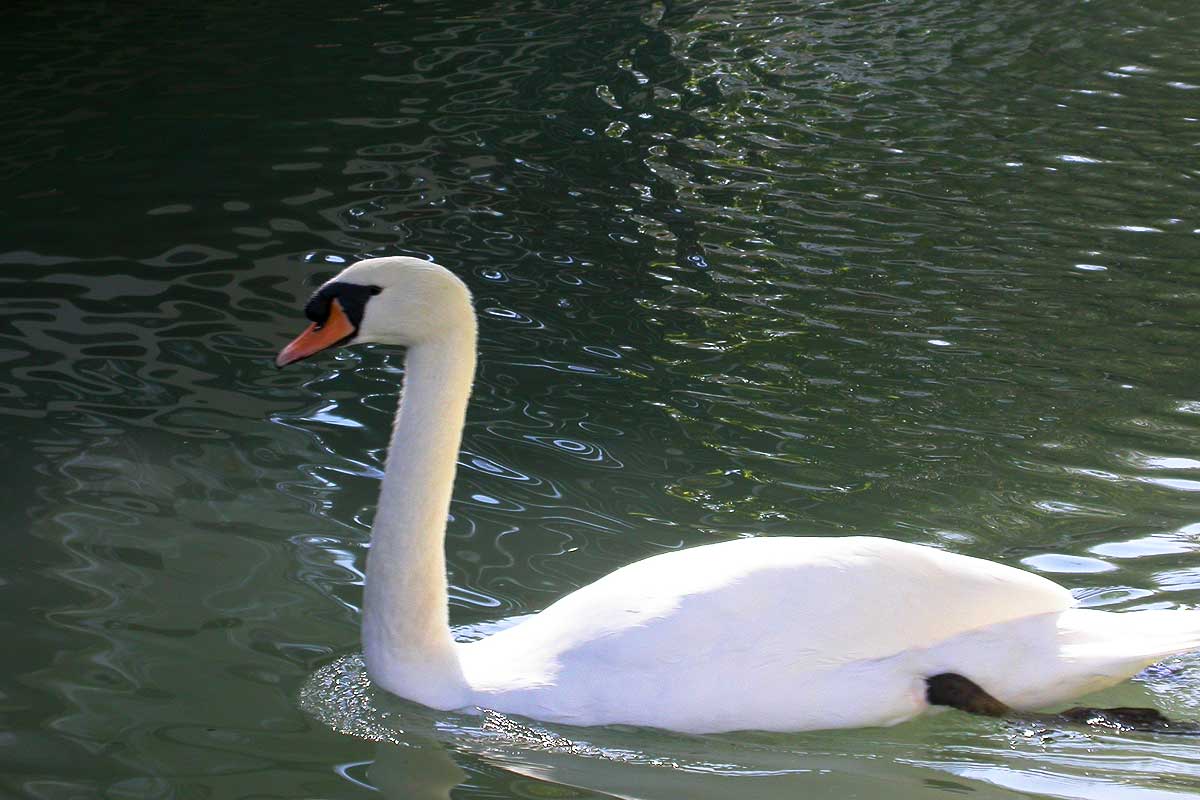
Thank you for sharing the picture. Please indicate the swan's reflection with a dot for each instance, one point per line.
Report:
(428, 771)
(421, 769)
(418, 753)
(422, 753)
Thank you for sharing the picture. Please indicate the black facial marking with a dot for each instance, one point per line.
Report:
(353, 298)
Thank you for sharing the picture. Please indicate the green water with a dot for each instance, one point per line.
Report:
(922, 269)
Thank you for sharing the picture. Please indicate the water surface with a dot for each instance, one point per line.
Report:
(925, 270)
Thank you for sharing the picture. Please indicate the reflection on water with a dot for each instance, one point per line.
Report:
(919, 269)
(415, 746)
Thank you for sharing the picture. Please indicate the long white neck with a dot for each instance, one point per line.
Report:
(406, 633)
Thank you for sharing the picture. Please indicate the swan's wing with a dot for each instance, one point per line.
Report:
(799, 604)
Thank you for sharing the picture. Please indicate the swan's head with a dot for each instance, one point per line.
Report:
(402, 301)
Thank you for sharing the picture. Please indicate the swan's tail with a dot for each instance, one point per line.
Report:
(1098, 649)
(1037, 662)
(1126, 642)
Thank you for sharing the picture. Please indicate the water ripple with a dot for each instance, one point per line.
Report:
(920, 269)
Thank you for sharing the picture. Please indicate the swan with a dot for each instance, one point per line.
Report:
(766, 633)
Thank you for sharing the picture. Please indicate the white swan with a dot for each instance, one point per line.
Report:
(770, 633)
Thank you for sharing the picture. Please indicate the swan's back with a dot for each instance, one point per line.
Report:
(676, 631)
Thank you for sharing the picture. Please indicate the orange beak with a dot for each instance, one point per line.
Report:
(317, 337)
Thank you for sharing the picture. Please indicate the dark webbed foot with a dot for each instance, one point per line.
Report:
(950, 689)
(1147, 720)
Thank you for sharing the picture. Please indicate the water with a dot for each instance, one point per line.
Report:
(921, 269)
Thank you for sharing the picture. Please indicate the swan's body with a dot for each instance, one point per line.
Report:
(773, 633)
